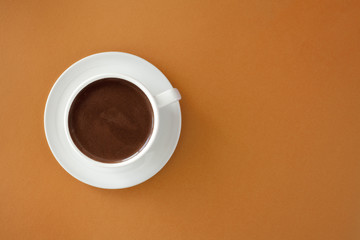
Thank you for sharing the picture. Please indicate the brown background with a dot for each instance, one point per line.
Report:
(270, 143)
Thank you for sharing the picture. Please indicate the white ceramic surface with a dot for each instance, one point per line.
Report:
(159, 101)
(111, 64)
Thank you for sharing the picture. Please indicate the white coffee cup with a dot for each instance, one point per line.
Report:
(161, 100)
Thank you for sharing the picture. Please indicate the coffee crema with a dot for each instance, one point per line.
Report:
(110, 120)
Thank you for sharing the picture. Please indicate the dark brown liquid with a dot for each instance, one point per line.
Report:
(110, 120)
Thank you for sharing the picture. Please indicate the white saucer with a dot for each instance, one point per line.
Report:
(128, 175)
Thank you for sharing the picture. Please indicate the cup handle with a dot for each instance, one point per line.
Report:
(169, 96)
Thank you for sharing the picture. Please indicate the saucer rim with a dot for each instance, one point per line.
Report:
(65, 166)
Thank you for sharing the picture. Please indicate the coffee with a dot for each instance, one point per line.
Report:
(110, 120)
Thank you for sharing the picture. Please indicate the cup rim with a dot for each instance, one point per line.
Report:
(132, 158)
